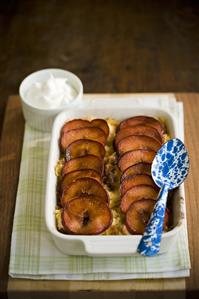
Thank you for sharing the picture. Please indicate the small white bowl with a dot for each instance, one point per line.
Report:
(42, 118)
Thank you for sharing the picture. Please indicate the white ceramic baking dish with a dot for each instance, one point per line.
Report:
(107, 245)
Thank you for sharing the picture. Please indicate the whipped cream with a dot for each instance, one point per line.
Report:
(51, 93)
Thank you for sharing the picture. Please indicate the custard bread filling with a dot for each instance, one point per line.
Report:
(104, 177)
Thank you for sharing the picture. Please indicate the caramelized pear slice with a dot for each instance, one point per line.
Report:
(81, 123)
(139, 214)
(137, 193)
(91, 133)
(84, 147)
(86, 215)
(134, 157)
(135, 142)
(75, 124)
(139, 168)
(85, 162)
(143, 130)
(77, 174)
(84, 186)
(102, 124)
(135, 180)
(142, 119)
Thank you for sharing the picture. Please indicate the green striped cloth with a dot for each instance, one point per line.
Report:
(33, 254)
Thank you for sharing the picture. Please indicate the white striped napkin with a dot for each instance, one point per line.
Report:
(33, 254)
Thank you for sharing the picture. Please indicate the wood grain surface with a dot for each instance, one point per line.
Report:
(112, 45)
(10, 153)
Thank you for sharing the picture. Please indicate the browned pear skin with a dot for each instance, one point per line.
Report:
(84, 186)
(135, 157)
(102, 124)
(137, 193)
(85, 162)
(86, 215)
(77, 174)
(138, 130)
(83, 147)
(135, 142)
(91, 133)
(139, 214)
(75, 124)
(139, 168)
(135, 180)
(142, 119)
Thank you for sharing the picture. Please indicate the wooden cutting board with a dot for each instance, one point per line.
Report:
(10, 153)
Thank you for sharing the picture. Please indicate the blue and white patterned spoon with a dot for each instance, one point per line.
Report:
(169, 169)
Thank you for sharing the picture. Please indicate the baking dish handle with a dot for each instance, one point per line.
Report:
(110, 248)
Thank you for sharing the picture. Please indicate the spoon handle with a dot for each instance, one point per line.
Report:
(150, 242)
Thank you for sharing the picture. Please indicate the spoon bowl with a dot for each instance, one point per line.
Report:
(171, 164)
